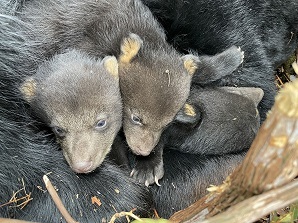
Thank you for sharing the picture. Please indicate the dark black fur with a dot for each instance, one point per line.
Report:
(265, 30)
(26, 154)
(43, 153)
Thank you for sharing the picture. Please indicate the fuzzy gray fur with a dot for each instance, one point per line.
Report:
(72, 94)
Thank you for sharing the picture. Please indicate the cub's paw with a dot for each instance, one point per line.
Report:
(148, 172)
(213, 68)
(228, 61)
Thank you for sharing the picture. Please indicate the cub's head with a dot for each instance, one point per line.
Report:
(217, 120)
(79, 98)
(155, 84)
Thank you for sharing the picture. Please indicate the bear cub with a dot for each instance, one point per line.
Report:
(69, 93)
(205, 111)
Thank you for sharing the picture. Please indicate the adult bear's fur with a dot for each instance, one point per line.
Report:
(27, 154)
(265, 30)
(187, 177)
(151, 87)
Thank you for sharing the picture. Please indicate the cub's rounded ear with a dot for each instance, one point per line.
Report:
(253, 93)
(28, 89)
(190, 63)
(110, 63)
(130, 47)
(188, 115)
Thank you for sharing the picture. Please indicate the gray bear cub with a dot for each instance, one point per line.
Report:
(69, 92)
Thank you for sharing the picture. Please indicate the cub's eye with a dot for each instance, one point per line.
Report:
(59, 132)
(101, 124)
(136, 120)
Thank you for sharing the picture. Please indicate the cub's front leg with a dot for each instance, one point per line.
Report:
(149, 169)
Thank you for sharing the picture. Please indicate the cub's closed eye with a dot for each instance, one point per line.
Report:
(59, 132)
(101, 124)
(136, 120)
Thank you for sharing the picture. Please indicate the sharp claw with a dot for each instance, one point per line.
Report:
(146, 183)
(156, 181)
(132, 172)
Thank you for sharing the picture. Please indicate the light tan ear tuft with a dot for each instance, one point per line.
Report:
(111, 65)
(130, 47)
(190, 63)
(189, 110)
(28, 89)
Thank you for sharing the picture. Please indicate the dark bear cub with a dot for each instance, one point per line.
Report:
(79, 98)
(188, 131)
(216, 121)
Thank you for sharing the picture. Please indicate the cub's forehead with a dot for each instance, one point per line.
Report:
(148, 81)
(80, 101)
(74, 115)
(78, 120)
(78, 84)
(156, 105)
(156, 96)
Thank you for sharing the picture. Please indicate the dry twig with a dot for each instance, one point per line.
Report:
(123, 213)
(16, 201)
(58, 201)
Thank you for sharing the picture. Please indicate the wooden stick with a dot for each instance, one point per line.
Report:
(58, 201)
(252, 209)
